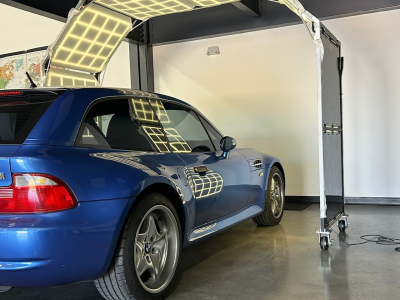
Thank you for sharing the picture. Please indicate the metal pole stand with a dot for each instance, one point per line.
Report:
(330, 137)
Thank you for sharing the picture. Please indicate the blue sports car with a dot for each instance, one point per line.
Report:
(111, 184)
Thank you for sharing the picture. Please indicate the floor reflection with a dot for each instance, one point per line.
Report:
(334, 270)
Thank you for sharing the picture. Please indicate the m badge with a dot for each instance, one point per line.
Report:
(2, 176)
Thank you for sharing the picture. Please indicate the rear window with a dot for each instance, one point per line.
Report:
(18, 116)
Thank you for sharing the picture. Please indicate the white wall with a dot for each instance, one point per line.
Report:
(262, 91)
(21, 30)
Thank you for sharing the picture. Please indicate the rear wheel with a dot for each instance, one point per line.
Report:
(146, 261)
(274, 200)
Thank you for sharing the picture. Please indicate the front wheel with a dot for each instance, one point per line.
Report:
(274, 200)
(146, 261)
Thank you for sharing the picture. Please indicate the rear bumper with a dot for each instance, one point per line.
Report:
(60, 248)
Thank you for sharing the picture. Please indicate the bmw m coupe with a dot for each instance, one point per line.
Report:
(110, 185)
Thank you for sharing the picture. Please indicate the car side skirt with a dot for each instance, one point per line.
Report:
(211, 228)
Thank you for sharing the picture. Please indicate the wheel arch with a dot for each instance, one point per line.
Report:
(280, 167)
(170, 192)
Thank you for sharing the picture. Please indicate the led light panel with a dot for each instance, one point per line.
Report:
(210, 3)
(90, 38)
(146, 9)
(66, 78)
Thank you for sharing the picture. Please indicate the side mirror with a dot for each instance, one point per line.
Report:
(227, 144)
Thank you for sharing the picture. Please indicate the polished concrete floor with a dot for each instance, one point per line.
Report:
(282, 262)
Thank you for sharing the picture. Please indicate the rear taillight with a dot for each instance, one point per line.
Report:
(12, 93)
(36, 193)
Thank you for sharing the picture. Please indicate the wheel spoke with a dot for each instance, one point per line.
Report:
(139, 247)
(156, 260)
(150, 226)
(141, 237)
(142, 265)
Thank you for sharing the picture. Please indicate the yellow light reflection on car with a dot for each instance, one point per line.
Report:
(205, 185)
(90, 38)
(157, 136)
(176, 141)
(143, 111)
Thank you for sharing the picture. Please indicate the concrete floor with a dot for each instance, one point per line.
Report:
(282, 262)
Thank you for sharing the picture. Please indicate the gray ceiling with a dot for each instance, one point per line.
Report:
(221, 20)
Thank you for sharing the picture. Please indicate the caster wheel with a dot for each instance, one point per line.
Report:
(342, 226)
(324, 243)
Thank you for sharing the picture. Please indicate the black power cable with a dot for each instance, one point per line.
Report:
(373, 238)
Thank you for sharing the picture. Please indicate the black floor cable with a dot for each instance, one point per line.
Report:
(373, 238)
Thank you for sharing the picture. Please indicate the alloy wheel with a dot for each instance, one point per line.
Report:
(277, 195)
(156, 249)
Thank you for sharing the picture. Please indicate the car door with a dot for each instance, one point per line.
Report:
(220, 186)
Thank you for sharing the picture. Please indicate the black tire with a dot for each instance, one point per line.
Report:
(121, 281)
(342, 226)
(268, 217)
(323, 243)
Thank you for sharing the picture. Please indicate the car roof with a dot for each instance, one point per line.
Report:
(128, 92)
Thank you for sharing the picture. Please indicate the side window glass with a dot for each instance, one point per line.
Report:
(183, 128)
(114, 124)
(141, 109)
(214, 134)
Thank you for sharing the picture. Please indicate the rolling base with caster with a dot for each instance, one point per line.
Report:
(324, 234)
(325, 238)
(342, 223)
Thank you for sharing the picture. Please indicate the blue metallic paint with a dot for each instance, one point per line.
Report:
(79, 244)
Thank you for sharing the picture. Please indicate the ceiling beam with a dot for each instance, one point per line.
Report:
(35, 10)
(249, 7)
(228, 19)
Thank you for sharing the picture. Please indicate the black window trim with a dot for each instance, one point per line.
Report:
(209, 124)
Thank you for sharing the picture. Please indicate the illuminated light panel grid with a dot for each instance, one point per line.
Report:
(146, 9)
(143, 110)
(206, 185)
(157, 136)
(209, 3)
(65, 78)
(178, 144)
(90, 38)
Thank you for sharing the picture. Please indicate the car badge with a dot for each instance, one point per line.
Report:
(2, 176)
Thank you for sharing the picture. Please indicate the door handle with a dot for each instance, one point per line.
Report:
(201, 169)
